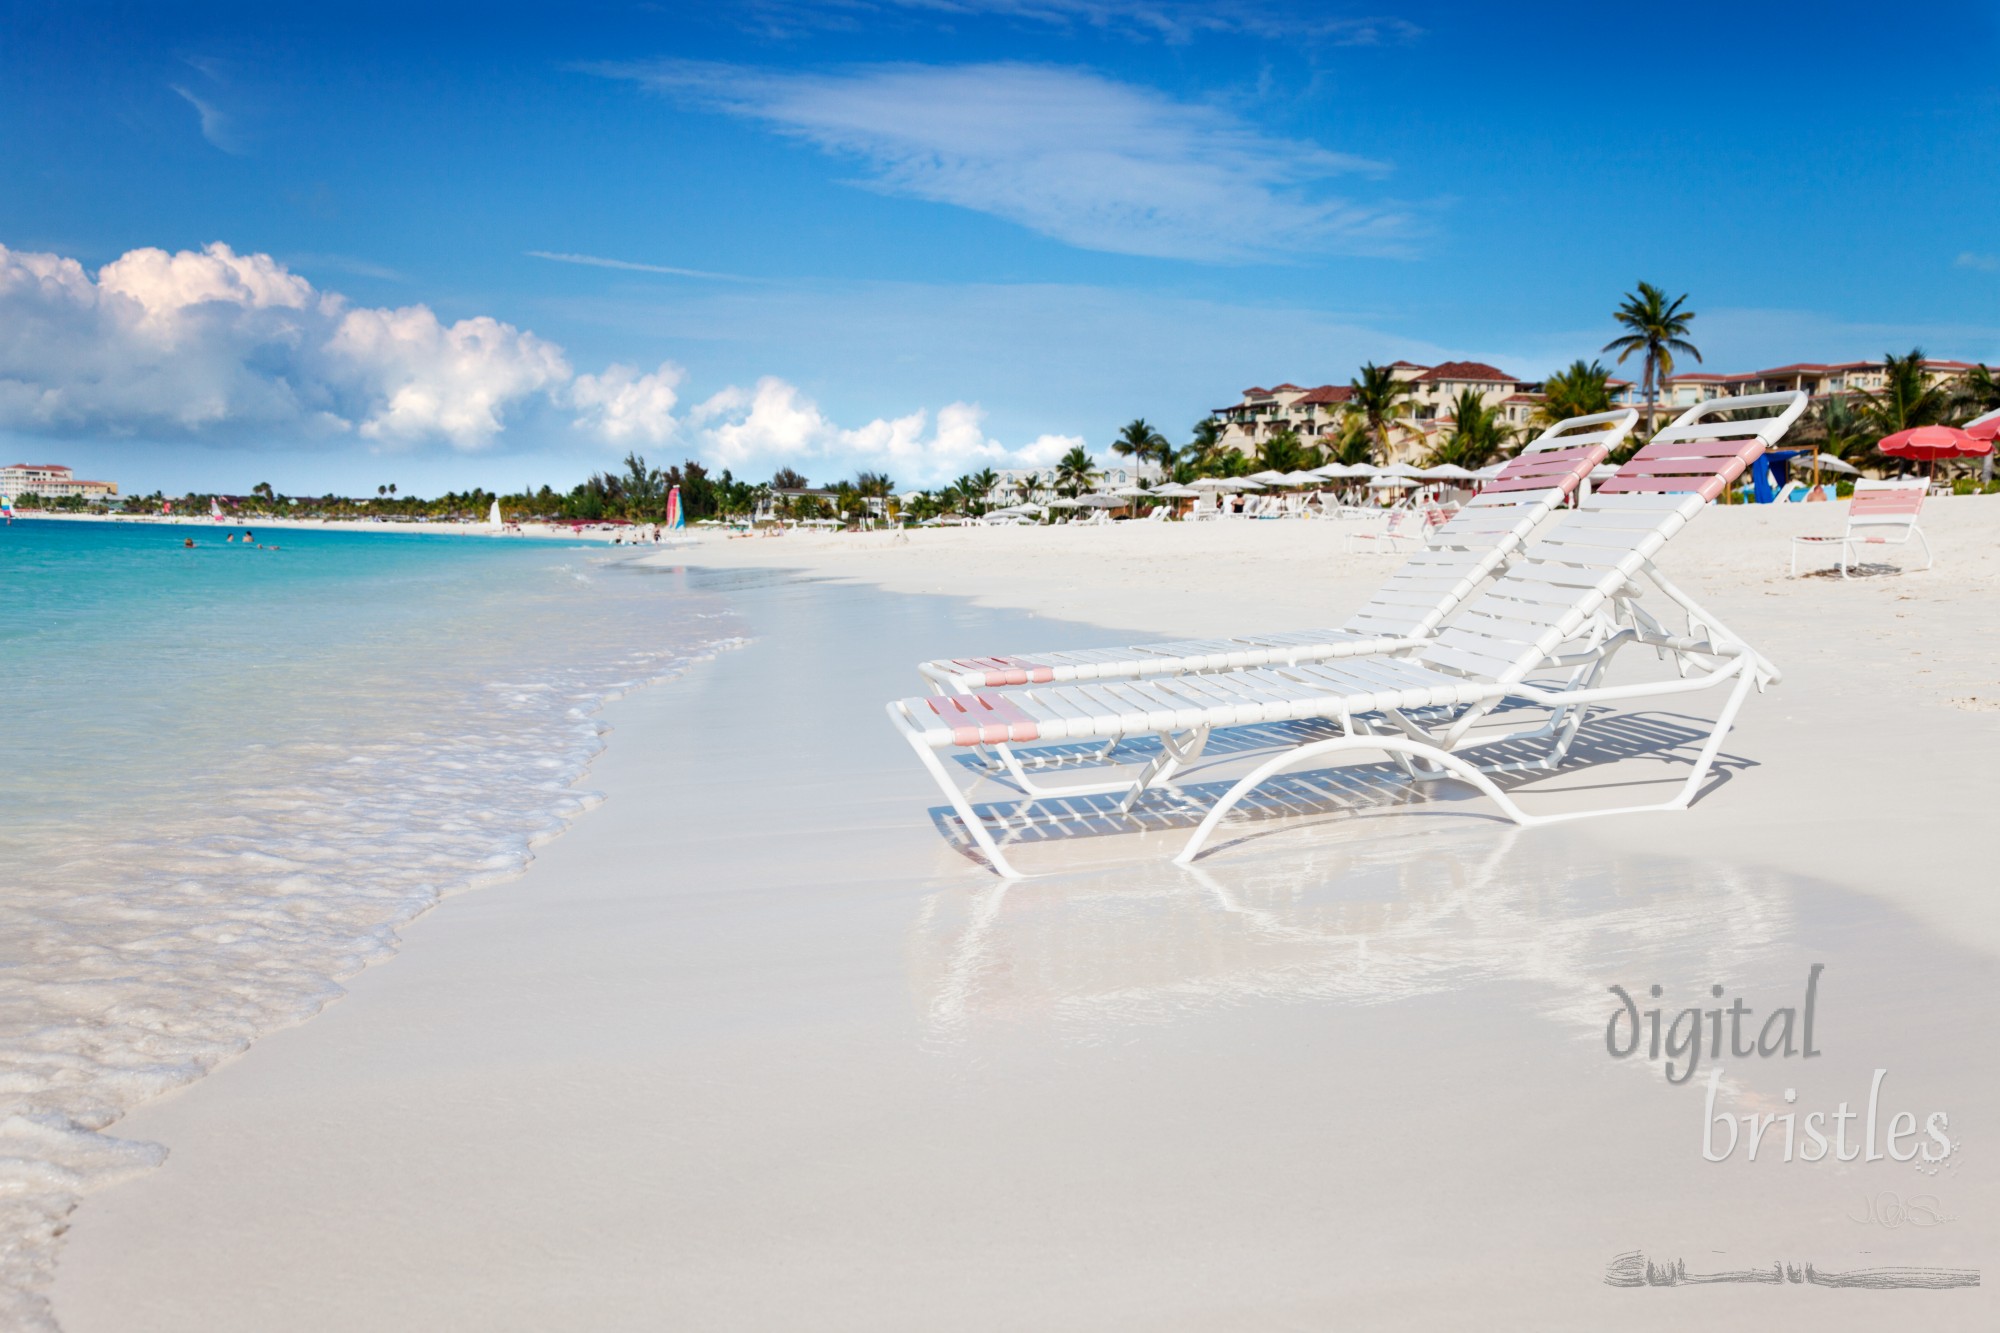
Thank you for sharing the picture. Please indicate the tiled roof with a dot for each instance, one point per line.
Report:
(1328, 393)
(1407, 365)
(1285, 388)
(1524, 398)
(1255, 393)
(1475, 371)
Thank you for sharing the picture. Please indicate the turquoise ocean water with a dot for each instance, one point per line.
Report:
(231, 773)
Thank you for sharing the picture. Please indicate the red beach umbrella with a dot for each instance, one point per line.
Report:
(1985, 428)
(1927, 444)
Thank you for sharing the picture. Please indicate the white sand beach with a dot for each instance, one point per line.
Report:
(756, 1046)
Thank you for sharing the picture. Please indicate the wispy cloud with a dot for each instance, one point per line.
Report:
(1983, 263)
(1068, 153)
(630, 266)
(1175, 21)
(216, 125)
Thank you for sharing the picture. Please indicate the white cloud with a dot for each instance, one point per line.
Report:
(775, 425)
(632, 266)
(213, 344)
(1068, 153)
(216, 125)
(623, 406)
(1983, 263)
(433, 381)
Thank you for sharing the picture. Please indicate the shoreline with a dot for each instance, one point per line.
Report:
(753, 1041)
(541, 531)
(293, 845)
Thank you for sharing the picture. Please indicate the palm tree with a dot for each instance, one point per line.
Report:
(1139, 441)
(1479, 433)
(1352, 443)
(1658, 328)
(1907, 397)
(1382, 400)
(1203, 453)
(1839, 430)
(1977, 394)
(1075, 471)
(1583, 390)
(1283, 451)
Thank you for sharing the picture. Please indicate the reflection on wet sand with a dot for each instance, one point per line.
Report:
(1361, 916)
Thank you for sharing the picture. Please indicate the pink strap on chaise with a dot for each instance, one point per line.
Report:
(983, 719)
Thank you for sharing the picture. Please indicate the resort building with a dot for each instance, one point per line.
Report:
(51, 481)
(1316, 413)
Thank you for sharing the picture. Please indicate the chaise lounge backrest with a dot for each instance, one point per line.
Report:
(1547, 596)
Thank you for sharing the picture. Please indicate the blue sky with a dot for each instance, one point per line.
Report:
(503, 244)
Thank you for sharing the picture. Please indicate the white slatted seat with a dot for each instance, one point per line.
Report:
(1482, 536)
(1527, 621)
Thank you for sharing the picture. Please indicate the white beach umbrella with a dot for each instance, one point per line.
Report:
(1399, 470)
(1390, 483)
(1132, 491)
(1333, 471)
(1828, 463)
(1176, 492)
(1225, 484)
(1448, 472)
(1102, 501)
(1301, 478)
(1268, 477)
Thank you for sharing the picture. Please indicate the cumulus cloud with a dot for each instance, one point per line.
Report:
(219, 345)
(623, 406)
(1983, 263)
(775, 425)
(1084, 159)
(235, 348)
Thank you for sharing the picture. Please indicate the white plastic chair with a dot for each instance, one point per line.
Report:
(1882, 513)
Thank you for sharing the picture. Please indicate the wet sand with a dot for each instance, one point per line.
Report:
(760, 1047)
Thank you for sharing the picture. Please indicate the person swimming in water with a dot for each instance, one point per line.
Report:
(187, 541)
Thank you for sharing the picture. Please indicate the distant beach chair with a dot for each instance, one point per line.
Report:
(1882, 513)
(1566, 606)
(1400, 530)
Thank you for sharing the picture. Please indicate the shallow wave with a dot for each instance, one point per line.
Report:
(162, 914)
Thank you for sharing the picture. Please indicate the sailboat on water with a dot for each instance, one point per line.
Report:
(493, 516)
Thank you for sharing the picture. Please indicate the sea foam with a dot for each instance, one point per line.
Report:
(233, 775)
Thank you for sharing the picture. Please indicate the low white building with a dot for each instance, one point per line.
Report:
(51, 481)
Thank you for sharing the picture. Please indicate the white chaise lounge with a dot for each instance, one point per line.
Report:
(1467, 550)
(1565, 605)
